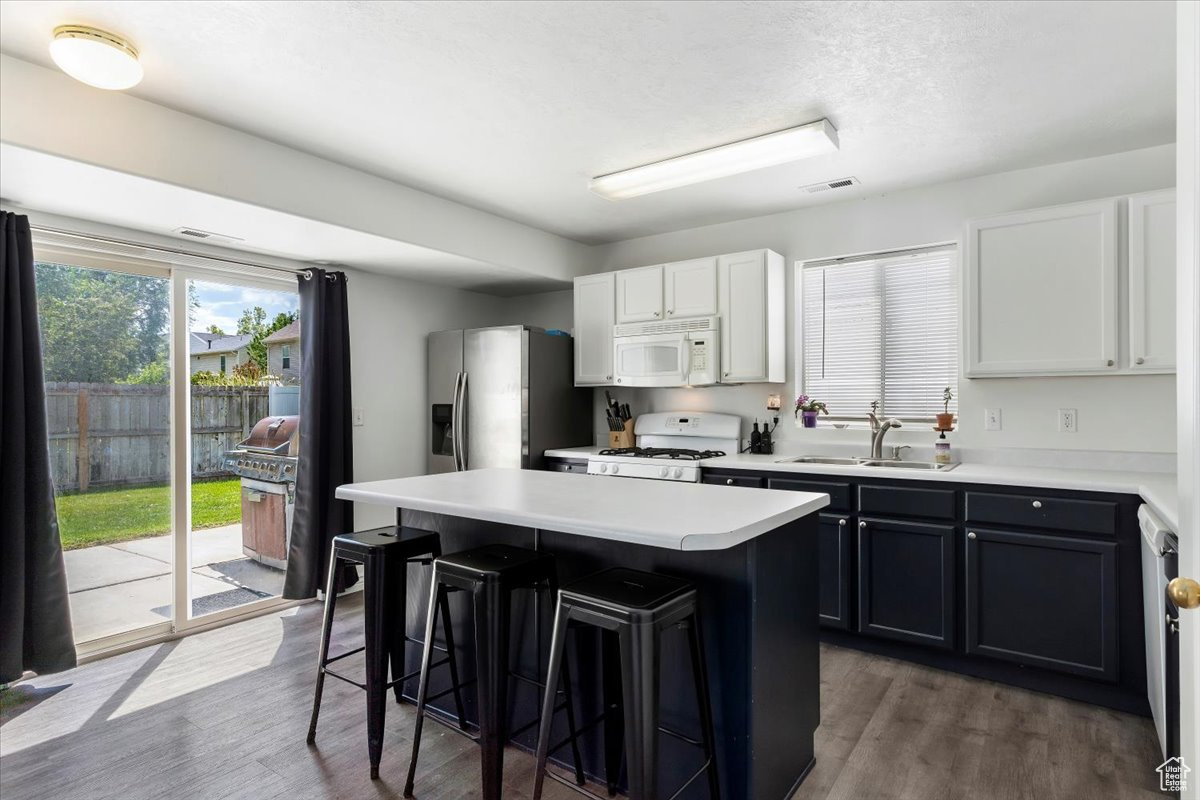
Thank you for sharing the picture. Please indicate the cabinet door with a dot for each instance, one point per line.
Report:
(1040, 292)
(691, 288)
(906, 581)
(741, 298)
(640, 294)
(834, 566)
(1044, 601)
(595, 300)
(1152, 282)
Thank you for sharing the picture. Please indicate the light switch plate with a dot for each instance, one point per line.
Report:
(358, 416)
(1068, 420)
(991, 419)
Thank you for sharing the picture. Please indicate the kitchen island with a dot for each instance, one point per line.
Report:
(752, 555)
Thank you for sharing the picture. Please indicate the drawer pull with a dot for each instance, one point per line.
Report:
(1037, 503)
(841, 523)
(729, 481)
(862, 526)
(971, 535)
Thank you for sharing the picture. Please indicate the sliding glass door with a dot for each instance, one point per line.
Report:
(155, 374)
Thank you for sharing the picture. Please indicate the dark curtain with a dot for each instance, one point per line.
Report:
(35, 615)
(326, 450)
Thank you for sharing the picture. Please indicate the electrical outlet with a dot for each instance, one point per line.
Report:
(1068, 420)
(358, 416)
(991, 419)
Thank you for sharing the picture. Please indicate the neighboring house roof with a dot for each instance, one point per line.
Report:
(201, 342)
(288, 333)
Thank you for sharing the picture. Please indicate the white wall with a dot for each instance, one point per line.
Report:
(1115, 413)
(389, 318)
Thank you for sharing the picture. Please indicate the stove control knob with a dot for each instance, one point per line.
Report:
(614, 469)
(603, 468)
(662, 472)
(677, 472)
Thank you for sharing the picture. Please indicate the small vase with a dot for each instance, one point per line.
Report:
(945, 422)
(810, 418)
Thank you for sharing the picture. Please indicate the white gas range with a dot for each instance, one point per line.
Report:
(670, 446)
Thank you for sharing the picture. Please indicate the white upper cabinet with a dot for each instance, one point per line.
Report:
(595, 305)
(1040, 292)
(750, 302)
(640, 294)
(691, 288)
(1152, 281)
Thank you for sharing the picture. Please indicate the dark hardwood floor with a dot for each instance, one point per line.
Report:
(223, 714)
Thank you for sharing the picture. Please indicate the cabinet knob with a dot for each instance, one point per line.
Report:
(971, 535)
(1110, 362)
(670, 312)
(841, 523)
(608, 377)
(1037, 503)
(729, 481)
(1140, 360)
(657, 314)
(862, 526)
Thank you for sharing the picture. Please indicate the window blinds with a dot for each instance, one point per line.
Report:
(881, 329)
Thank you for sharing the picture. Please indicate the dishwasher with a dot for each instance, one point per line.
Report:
(1159, 566)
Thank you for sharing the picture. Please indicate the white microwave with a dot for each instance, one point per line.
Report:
(678, 352)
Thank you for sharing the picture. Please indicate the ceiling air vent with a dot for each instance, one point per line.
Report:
(825, 186)
(196, 233)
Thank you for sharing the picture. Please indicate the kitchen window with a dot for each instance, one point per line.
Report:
(883, 328)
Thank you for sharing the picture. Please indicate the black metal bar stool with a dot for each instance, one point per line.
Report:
(385, 554)
(491, 574)
(638, 607)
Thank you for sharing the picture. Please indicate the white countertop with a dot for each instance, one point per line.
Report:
(1158, 489)
(676, 516)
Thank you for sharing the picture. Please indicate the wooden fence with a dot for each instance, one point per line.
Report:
(121, 433)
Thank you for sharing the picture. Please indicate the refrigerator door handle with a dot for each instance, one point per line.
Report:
(454, 419)
(460, 424)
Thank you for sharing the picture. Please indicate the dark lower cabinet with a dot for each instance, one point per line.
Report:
(906, 581)
(834, 565)
(1042, 600)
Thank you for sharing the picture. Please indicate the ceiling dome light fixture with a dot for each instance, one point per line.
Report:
(95, 57)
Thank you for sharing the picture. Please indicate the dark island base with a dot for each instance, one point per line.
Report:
(758, 603)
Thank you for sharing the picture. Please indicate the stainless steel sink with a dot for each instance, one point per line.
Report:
(926, 465)
(820, 460)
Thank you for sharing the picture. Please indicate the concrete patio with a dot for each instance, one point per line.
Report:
(118, 587)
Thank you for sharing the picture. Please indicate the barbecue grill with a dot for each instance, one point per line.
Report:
(267, 461)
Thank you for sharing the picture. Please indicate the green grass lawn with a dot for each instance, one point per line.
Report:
(106, 516)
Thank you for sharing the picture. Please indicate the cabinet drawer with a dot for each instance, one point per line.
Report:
(1053, 513)
(733, 480)
(839, 493)
(1044, 601)
(895, 501)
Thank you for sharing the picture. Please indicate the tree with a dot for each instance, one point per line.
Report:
(215, 330)
(99, 326)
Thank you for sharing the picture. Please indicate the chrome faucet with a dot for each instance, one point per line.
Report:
(878, 429)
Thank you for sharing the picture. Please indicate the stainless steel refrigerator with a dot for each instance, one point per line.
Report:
(500, 397)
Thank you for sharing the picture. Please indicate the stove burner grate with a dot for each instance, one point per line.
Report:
(663, 452)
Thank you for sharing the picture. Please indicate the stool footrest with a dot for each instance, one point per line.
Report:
(703, 768)
(570, 784)
(347, 654)
(535, 721)
(333, 674)
(680, 736)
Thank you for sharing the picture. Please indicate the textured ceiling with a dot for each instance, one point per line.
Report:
(511, 107)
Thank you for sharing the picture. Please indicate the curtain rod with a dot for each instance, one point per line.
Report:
(908, 251)
(307, 273)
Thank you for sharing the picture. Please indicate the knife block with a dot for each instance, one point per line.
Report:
(622, 438)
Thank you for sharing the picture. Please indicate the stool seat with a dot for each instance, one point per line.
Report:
(363, 543)
(627, 588)
(497, 562)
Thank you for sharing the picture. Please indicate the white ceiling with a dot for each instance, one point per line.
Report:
(511, 107)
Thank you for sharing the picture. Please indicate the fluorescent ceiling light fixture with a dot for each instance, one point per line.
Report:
(780, 147)
(95, 57)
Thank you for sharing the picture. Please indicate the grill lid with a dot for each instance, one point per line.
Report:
(276, 435)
